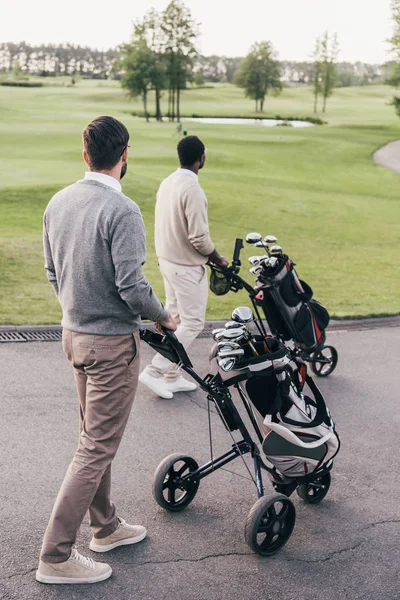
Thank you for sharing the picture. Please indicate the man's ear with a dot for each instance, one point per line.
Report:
(85, 157)
(124, 155)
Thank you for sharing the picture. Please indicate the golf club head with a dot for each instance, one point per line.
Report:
(253, 238)
(270, 239)
(216, 331)
(256, 270)
(227, 345)
(231, 353)
(256, 260)
(260, 245)
(276, 249)
(271, 262)
(233, 334)
(243, 314)
(226, 364)
(232, 325)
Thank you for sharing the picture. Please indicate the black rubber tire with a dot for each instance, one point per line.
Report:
(160, 482)
(264, 519)
(320, 369)
(312, 493)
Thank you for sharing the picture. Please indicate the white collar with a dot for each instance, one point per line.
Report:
(103, 178)
(188, 172)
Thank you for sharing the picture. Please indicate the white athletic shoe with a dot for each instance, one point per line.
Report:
(77, 569)
(180, 385)
(124, 535)
(156, 385)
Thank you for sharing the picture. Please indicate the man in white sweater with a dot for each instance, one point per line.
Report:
(183, 247)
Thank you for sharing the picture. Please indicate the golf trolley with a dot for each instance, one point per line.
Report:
(286, 301)
(271, 520)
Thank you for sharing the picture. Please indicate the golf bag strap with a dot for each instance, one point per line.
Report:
(291, 437)
(321, 413)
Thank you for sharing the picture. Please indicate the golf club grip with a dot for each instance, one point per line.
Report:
(238, 247)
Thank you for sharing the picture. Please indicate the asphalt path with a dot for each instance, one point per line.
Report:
(346, 547)
(388, 156)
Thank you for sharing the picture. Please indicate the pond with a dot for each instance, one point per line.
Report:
(258, 122)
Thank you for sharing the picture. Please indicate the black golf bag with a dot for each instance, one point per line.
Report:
(289, 308)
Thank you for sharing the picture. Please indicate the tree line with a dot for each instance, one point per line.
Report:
(162, 57)
(69, 59)
(58, 59)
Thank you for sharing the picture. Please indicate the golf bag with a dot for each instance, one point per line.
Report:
(289, 308)
(299, 436)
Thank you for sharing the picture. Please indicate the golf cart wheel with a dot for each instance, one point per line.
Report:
(170, 490)
(315, 492)
(270, 524)
(324, 361)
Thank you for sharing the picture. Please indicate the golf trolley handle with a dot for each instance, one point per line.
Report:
(236, 253)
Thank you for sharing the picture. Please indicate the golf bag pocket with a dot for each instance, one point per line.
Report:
(293, 290)
(301, 439)
(308, 332)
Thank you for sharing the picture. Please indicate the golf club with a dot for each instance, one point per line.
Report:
(226, 364)
(227, 353)
(256, 260)
(276, 250)
(242, 314)
(253, 238)
(256, 270)
(216, 331)
(270, 239)
(232, 325)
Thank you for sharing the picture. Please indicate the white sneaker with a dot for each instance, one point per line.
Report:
(77, 569)
(156, 385)
(124, 535)
(180, 385)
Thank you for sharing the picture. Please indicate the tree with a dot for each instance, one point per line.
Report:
(329, 54)
(259, 73)
(317, 72)
(179, 35)
(137, 63)
(143, 62)
(394, 77)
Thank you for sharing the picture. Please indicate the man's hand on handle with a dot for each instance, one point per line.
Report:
(168, 323)
(218, 260)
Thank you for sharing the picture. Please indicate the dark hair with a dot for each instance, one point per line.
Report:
(104, 140)
(190, 150)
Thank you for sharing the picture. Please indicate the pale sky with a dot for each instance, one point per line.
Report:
(228, 27)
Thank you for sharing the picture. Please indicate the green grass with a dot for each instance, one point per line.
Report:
(334, 211)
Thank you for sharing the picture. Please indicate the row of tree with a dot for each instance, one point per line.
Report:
(61, 59)
(69, 59)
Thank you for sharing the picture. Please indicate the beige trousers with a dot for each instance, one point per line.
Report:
(106, 372)
(186, 290)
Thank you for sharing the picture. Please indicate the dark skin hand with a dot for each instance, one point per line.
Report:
(218, 260)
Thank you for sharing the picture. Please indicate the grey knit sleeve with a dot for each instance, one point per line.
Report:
(128, 252)
(48, 259)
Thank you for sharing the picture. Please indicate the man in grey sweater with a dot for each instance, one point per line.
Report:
(94, 246)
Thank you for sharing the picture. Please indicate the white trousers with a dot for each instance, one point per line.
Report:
(186, 290)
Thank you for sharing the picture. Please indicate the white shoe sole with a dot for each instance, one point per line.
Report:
(128, 542)
(163, 394)
(61, 580)
(177, 391)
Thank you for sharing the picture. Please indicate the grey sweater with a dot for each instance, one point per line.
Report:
(95, 247)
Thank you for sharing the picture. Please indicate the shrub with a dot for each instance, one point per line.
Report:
(26, 84)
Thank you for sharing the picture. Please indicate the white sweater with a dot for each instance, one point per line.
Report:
(181, 220)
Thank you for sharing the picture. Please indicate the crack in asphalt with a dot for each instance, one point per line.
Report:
(18, 574)
(329, 556)
(226, 554)
(178, 560)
